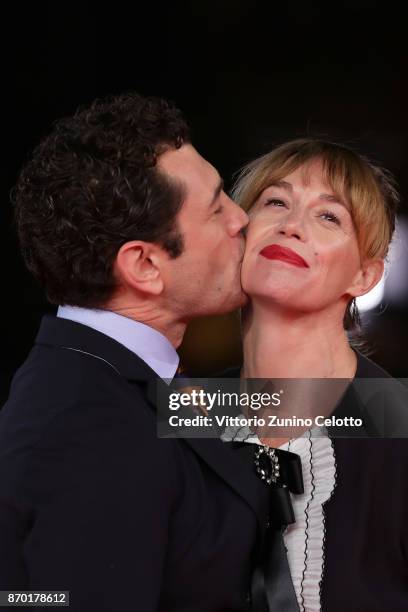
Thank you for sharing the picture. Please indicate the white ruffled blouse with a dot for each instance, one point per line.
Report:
(305, 538)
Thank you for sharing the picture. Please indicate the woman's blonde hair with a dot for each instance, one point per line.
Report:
(369, 190)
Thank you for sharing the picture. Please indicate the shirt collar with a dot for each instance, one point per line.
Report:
(144, 341)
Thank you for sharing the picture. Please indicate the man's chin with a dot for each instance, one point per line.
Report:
(244, 299)
(241, 300)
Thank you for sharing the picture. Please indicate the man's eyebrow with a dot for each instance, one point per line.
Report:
(217, 191)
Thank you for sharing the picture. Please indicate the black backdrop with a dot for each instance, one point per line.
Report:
(248, 75)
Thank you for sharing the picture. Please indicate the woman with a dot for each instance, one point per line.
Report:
(321, 221)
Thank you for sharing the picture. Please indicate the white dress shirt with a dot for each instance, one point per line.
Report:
(144, 341)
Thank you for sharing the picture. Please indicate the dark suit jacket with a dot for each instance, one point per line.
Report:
(91, 501)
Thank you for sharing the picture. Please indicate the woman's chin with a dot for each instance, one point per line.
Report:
(283, 293)
(272, 304)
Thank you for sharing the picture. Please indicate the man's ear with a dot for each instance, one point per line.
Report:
(138, 266)
(367, 277)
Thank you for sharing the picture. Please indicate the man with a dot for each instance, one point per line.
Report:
(130, 232)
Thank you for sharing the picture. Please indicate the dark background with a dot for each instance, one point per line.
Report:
(248, 75)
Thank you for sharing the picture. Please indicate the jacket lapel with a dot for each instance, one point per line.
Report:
(233, 464)
(236, 469)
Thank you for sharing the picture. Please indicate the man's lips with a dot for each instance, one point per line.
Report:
(274, 251)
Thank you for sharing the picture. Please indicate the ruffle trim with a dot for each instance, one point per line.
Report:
(304, 539)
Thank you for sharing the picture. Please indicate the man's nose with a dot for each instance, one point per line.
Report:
(237, 219)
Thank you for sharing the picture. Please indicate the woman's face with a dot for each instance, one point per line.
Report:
(302, 250)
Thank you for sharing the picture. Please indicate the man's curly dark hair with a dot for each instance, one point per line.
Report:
(92, 185)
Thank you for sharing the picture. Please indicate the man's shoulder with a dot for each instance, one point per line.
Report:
(58, 396)
(71, 416)
(54, 377)
(230, 372)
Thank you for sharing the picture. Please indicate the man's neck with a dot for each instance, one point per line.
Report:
(283, 344)
(153, 316)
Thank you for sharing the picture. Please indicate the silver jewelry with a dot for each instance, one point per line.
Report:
(267, 473)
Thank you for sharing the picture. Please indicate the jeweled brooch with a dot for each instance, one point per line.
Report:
(267, 464)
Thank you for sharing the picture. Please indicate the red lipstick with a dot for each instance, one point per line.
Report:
(274, 251)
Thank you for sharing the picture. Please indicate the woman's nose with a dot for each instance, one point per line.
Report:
(292, 226)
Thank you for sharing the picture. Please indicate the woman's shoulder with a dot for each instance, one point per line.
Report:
(366, 368)
(385, 399)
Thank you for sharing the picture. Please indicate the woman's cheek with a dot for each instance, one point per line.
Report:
(244, 273)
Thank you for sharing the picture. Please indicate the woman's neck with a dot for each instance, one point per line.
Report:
(278, 343)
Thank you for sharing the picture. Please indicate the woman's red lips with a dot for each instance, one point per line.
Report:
(274, 251)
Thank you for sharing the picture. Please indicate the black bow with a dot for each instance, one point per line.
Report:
(272, 588)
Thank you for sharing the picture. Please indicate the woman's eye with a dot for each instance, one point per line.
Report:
(274, 202)
(329, 216)
(218, 210)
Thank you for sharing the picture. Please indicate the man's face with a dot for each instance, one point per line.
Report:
(205, 278)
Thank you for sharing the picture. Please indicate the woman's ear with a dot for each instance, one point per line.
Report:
(367, 277)
(138, 266)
